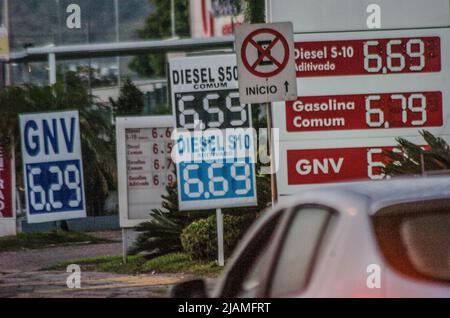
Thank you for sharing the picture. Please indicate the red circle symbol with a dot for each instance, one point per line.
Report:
(265, 53)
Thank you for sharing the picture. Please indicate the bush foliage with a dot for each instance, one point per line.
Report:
(199, 239)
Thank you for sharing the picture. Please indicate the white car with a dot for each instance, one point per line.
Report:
(364, 239)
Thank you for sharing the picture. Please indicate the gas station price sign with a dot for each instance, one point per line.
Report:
(369, 56)
(355, 88)
(365, 84)
(365, 111)
(213, 143)
(144, 164)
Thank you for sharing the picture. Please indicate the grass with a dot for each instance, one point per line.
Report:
(42, 240)
(170, 263)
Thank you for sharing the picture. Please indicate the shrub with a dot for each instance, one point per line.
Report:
(161, 234)
(199, 239)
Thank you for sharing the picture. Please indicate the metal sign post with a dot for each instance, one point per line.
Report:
(220, 248)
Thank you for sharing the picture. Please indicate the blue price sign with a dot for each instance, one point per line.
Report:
(53, 170)
(214, 149)
(217, 182)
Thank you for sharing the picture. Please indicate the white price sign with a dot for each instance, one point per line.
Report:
(145, 166)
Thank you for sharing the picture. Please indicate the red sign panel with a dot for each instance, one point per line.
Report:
(365, 111)
(372, 56)
(334, 165)
(6, 204)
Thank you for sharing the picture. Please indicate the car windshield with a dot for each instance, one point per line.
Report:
(415, 239)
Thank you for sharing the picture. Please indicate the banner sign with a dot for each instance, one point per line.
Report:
(53, 167)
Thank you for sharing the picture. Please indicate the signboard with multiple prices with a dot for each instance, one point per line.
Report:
(356, 88)
(214, 146)
(145, 166)
(53, 166)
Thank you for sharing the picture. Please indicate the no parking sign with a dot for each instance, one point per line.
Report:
(266, 62)
(52, 166)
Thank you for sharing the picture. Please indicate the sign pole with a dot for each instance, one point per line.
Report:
(13, 181)
(272, 155)
(124, 246)
(219, 217)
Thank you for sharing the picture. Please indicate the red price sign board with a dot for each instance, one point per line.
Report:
(6, 194)
(334, 165)
(368, 56)
(365, 111)
(357, 92)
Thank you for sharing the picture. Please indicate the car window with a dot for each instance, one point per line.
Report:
(245, 277)
(252, 281)
(298, 250)
(414, 238)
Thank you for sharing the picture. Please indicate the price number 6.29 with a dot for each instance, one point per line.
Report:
(45, 196)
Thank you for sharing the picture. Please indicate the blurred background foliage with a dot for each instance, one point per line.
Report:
(412, 159)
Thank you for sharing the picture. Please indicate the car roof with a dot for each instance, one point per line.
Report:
(378, 194)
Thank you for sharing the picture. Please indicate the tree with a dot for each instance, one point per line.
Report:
(98, 153)
(255, 11)
(130, 102)
(158, 26)
(415, 159)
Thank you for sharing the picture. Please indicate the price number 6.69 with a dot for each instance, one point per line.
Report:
(205, 180)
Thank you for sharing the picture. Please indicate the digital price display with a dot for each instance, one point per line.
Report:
(214, 148)
(218, 109)
(53, 170)
(145, 166)
(368, 56)
(54, 186)
(365, 111)
(217, 180)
